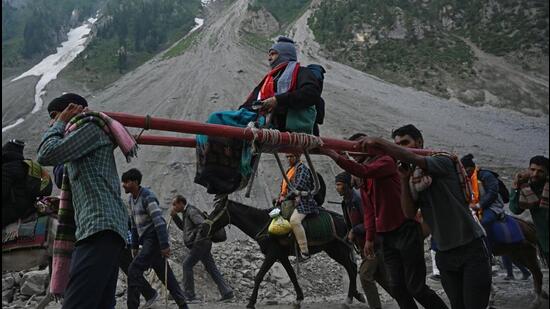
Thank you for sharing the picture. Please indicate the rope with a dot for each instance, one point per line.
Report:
(274, 137)
(146, 127)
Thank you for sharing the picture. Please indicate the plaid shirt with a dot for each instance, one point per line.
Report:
(95, 185)
(303, 181)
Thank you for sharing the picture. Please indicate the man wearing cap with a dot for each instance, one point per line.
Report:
(100, 216)
(287, 85)
(19, 192)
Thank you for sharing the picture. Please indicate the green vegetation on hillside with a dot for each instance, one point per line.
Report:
(416, 43)
(182, 45)
(130, 33)
(285, 11)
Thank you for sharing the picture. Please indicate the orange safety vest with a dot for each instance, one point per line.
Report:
(290, 173)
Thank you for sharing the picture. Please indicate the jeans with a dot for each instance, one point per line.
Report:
(124, 263)
(370, 272)
(466, 275)
(94, 272)
(403, 251)
(201, 252)
(149, 257)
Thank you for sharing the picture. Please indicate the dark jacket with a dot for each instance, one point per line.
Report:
(306, 94)
(193, 218)
(352, 210)
(490, 197)
(16, 202)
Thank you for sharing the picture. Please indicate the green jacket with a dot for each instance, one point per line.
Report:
(539, 215)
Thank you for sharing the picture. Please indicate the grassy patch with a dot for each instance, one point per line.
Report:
(255, 40)
(182, 46)
(285, 11)
(97, 66)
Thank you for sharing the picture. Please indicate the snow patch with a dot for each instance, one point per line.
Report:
(50, 66)
(4, 129)
(199, 22)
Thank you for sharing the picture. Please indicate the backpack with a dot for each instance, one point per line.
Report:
(319, 73)
(502, 189)
(320, 196)
(38, 180)
(220, 235)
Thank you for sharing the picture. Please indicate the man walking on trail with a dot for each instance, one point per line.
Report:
(151, 296)
(438, 185)
(126, 258)
(530, 190)
(287, 86)
(199, 249)
(372, 268)
(91, 213)
(149, 229)
(402, 241)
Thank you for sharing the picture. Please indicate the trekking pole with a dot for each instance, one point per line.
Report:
(166, 268)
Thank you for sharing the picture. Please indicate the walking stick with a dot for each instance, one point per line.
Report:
(166, 268)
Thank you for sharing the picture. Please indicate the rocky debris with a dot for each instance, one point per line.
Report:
(8, 283)
(239, 261)
(260, 22)
(34, 282)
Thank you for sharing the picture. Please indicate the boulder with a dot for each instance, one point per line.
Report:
(7, 295)
(34, 282)
(8, 283)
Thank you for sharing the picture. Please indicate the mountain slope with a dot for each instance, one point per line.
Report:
(431, 45)
(218, 71)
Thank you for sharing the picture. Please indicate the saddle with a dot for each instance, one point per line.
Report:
(320, 228)
(505, 231)
(29, 233)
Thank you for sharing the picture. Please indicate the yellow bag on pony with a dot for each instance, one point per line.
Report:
(279, 225)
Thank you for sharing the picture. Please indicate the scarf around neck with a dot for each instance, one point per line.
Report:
(65, 238)
(528, 198)
(285, 83)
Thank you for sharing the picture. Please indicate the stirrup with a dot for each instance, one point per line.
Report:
(303, 257)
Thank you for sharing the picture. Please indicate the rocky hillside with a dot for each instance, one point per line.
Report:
(480, 52)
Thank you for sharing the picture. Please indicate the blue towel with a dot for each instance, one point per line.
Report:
(506, 231)
(239, 118)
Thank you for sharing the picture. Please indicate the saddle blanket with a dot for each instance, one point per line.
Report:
(506, 231)
(319, 229)
(30, 234)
